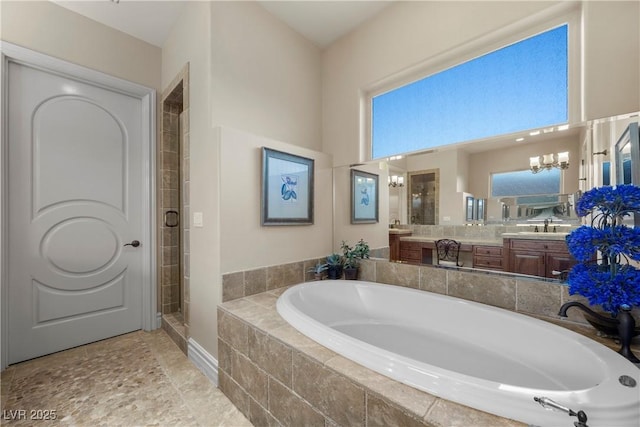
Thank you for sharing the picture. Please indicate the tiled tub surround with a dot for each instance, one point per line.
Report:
(274, 373)
(480, 356)
(251, 282)
(277, 376)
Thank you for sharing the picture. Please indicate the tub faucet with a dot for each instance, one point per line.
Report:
(547, 403)
(623, 322)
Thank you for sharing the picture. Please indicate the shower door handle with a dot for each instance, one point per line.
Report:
(134, 243)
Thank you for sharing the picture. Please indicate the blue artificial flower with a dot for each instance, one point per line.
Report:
(600, 287)
(611, 201)
(612, 283)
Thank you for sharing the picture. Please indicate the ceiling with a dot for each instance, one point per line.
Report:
(322, 22)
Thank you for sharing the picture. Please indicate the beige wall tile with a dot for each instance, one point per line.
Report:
(446, 413)
(333, 394)
(234, 392)
(251, 378)
(259, 416)
(398, 274)
(271, 355)
(232, 286)
(433, 280)
(233, 331)
(538, 297)
(483, 288)
(367, 270)
(413, 400)
(289, 409)
(255, 281)
(381, 413)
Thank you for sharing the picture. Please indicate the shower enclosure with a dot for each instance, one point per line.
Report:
(173, 211)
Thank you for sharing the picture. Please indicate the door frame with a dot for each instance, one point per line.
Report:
(13, 53)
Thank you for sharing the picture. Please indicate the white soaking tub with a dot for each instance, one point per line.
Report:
(474, 354)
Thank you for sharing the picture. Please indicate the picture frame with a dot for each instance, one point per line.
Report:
(364, 197)
(287, 189)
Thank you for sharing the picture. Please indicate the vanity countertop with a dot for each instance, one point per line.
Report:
(399, 231)
(463, 240)
(530, 235)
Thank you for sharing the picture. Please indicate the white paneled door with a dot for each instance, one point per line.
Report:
(75, 207)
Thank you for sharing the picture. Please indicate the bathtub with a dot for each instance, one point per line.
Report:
(477, 355)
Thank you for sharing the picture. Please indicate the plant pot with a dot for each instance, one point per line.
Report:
(351, 273)
(609, 328)
(334, 272)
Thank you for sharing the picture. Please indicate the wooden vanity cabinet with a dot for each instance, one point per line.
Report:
(411, 252)
(394, 245)
(487, 257)
(537, 257)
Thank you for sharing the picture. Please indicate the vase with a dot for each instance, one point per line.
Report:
(351, 273)
(610, 328)
(334, 272)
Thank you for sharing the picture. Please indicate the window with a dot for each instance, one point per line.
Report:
(525, 183)
(519, 87)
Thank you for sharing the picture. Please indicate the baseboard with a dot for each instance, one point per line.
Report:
(204, 361)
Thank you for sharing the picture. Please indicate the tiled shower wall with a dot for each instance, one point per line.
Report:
(174, 183)
(170, 201)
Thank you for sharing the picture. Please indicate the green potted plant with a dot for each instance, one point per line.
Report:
(318, 270)
(351, 256)
(334, 266)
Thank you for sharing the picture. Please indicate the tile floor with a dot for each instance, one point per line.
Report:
(137, 379)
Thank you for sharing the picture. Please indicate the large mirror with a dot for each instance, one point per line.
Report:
(489, 183)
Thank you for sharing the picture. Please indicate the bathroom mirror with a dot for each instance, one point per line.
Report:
(627, 157)
(473, 162)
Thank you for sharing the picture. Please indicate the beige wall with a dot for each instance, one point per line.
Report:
(249, 72)
(53, 30)
(189, 42)
(612, 58)
(265, 76)
(246, 244)
(351, 233)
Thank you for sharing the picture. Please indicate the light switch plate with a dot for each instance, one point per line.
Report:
(197, 219)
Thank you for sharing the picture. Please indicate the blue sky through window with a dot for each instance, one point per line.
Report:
(519, 87)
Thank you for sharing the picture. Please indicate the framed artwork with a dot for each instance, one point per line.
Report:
(364, 197)
(287, 189)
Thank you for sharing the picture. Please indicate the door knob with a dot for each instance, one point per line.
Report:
(134, 243)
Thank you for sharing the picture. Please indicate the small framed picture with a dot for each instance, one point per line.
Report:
(364, 197)
(287, 189)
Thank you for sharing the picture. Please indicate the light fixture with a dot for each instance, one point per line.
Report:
(396, 181)
(549, 161)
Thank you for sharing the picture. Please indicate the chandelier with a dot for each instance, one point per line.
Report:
(549, 161)
(396, 181)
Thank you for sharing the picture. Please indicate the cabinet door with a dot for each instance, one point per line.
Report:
(528, 262)
(558, 262)
(394, 247)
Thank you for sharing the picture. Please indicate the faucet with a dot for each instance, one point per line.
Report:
(624, 323)
(546, 225)
(547, 403)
